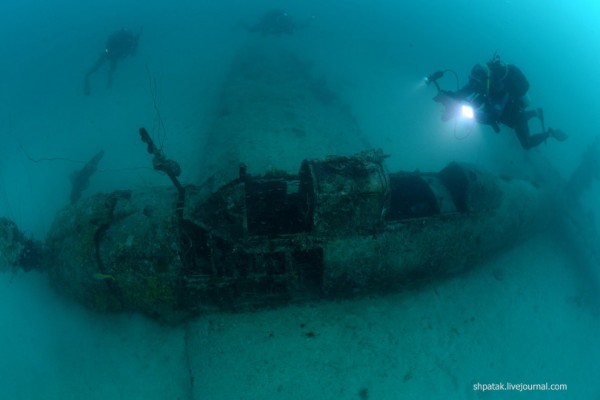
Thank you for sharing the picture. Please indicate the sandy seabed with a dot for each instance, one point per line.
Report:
(521, 318)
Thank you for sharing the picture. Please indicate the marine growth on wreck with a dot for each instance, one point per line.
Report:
(333, 223)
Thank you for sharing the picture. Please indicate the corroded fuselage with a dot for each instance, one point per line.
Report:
(340, 227)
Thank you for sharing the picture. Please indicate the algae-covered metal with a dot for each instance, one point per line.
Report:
(16, 249)
(339, 227)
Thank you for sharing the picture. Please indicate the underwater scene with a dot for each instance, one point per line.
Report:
(299, 200)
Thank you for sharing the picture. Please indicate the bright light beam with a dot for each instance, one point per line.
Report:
(467, 112)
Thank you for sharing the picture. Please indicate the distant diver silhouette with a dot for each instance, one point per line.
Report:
(119, 45)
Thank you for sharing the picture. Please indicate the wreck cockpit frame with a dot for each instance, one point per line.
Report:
(342, 226)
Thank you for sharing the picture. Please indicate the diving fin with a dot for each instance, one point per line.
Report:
(557, 134)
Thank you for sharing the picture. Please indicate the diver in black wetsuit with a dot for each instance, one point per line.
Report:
(119, 45)
(275, 23)
(499, 93)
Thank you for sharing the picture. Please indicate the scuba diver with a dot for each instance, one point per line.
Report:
(275, 23)
(119, 45)
(497, 93)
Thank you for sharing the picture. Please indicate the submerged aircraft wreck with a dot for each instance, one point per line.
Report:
(254, 236)
(341, 226)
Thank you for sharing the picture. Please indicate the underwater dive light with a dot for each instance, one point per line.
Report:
(434, 77)
(467, 112)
